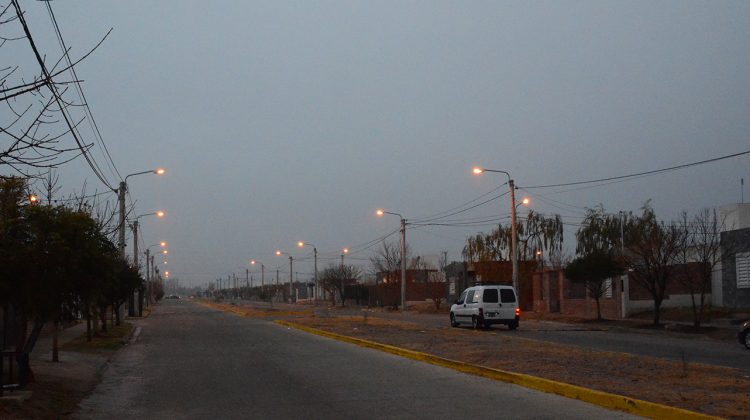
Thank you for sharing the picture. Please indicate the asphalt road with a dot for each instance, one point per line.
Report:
(193, 362)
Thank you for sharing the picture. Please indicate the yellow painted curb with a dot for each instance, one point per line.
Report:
(603, 399)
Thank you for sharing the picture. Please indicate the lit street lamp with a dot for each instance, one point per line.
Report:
(131, 299)
(262, 272)
(343, 252)
(513, 233)
(380, 213)
(121, 202)
(149, 274)
(315, 254)
(291, 272)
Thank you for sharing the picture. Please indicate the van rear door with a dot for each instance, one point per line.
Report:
(508, 303)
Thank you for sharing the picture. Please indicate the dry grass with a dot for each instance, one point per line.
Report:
(252, 312)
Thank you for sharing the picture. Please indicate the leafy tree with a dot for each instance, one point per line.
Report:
(593, 270)
(645, 245)
(651, 248)
(537, 232)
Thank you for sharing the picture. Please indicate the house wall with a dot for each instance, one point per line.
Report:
(732, 297)
(553, 293)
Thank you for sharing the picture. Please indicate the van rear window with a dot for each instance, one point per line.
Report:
(507, 296)
(490, 296)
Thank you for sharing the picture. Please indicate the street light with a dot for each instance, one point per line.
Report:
(262, 272)
(131, 299)
(121, 201)
(291, 272)
(513, 239)
(315, 255)
(150, 259)
(344, 251)
(380, 213)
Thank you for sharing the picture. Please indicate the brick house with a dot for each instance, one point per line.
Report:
(554, 293)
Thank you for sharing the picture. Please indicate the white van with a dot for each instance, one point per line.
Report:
(482, 306)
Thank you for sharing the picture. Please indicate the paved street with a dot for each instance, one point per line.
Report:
(195, 362)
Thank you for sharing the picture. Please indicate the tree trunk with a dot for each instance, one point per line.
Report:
(55, 334)
(103, 314)
(657, 312)
(598, 310)
(94, 317)
(88, 323)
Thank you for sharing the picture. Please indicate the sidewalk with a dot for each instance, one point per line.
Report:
(59, 386)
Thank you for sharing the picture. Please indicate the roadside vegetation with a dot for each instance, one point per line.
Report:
(57, 265)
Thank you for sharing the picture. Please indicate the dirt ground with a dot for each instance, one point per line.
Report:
(712, 390)
(59, 387)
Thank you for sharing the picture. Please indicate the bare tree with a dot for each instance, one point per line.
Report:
(335, 278)
(387, 259)
(700, 244)
(35, 119)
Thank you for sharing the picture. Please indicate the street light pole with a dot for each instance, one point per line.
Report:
(121, 228)
(291, 272)
(315, 254)
(290, 278)
(121, 204)
(513, 233)
(380, 213)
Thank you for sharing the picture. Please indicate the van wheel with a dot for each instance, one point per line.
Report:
(475, 323)
(512, 325)
(453, 321)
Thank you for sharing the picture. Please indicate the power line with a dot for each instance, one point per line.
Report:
(58, 99)
(81, 95)
(655, 171)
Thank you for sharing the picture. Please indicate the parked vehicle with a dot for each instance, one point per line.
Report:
(744, 334)
(482, 306)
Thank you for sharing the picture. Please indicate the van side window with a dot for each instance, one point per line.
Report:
(461, 298)
(507, 296)
(490, 296)
(471, 296)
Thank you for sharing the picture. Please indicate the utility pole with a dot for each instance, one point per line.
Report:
(403, 264)
(513, 234)
(261, 275)
(290, 278)
(131, 297)
(148, 278)
(277, 276)
(121, 227)
(247, 280)
(315, 253)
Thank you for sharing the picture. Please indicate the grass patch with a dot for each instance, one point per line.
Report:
(111, 340)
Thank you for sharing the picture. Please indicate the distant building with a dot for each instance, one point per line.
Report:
(731, 282)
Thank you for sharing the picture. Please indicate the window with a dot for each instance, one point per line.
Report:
(607, 288)
(507, 296)
(472, 296)
(490, 296)
(742, 265)
(461, 299)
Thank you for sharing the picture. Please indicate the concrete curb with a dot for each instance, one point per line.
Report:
(603, 399)
(133, 336)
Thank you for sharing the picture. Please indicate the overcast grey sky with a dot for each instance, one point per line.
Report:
(282, 121)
